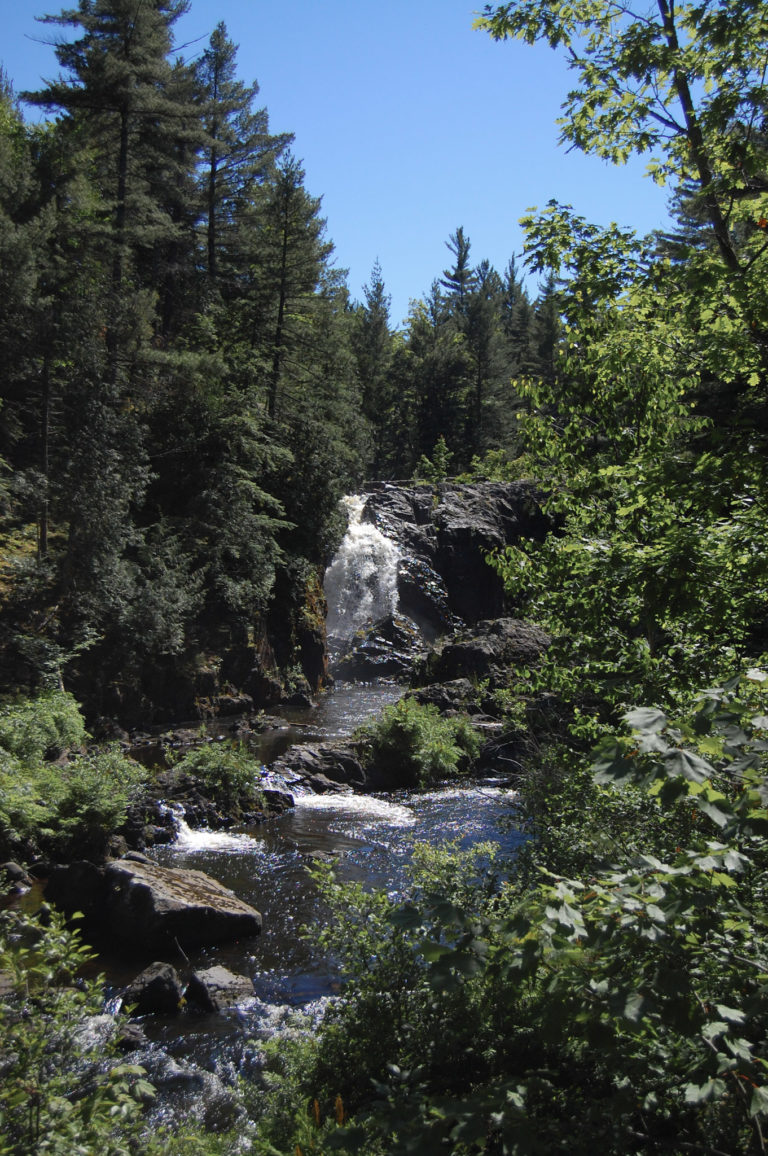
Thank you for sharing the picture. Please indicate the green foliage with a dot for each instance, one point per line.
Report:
(413, 744)
(89, 799)
(494, 466)
(623, 1008)
(316, 1080)
(42, 727)
(63, 1088)
(66, 810)
(436, 469)
(228, 775)
(172, 332)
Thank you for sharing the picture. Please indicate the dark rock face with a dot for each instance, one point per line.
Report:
(506, 754)
(446, 531)
(147, 907)
(502, 642)
(424, 594)
(453, 697)
(157, 990)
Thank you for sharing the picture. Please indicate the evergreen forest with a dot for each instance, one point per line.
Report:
(187, 389)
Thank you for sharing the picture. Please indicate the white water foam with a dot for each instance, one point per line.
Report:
(359, 807)
(361, 582)
(202, 839)
(478, 792)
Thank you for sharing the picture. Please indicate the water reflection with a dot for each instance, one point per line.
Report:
(369, 838)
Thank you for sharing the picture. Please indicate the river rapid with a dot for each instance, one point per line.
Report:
(368, 838)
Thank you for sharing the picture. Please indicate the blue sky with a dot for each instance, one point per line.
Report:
(409, 124)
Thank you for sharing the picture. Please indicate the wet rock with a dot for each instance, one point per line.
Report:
(161, 905)
(77, 886)
(278, 801)
(217, 988)
(387, 649)
(148, 907)
(130, 1037)
(321, 785)
(322, 768)
(406, 515)
(423, 597)
(226, 705)
(14, 875)
(156, 991)
(117, 845)
(299, 698)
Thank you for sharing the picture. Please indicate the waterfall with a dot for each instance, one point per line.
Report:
(361, 581)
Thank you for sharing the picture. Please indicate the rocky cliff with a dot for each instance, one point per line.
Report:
(445, 533)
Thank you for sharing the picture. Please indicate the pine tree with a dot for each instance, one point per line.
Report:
(373, 347)
(291, 259)
(442, 369)
(546, 332)
(459, 280)
(129, 107)
(238, 153)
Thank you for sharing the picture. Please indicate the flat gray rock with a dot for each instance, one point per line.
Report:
(151, 908)
(160, 905)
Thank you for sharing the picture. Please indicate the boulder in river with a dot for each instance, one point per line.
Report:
(216, 988)
(147, 907)
(384, 650)
(157, 990)
(322, 768)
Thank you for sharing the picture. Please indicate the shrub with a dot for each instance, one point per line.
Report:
(415, 745)
(436, 469)
(23, 808)
(228, 775)
(65, 810)
(56, 1094)
(93, 793)
(43, 727)
(620, 1011)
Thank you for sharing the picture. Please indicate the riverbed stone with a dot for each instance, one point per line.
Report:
(386, 649)
(322, 768)
(494, 645)
(14, 880)
(166, 905)
(278, 801)
(147, 907)
(217, 988)
(155, 991)
(457, 695)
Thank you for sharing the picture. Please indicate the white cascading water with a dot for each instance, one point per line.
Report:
(361, 582)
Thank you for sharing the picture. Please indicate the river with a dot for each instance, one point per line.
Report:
(369, 838)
